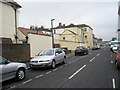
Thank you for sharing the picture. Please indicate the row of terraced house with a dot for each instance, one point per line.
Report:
(39, 38)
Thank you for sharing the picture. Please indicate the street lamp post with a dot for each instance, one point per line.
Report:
(52, 32)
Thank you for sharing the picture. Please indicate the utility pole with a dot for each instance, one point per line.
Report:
(52, 32)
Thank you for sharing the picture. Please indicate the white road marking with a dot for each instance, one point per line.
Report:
(69, 62)
(27, 81)
(92, 59)
(39, 76)
(55, 69)
(113, 81)
(77, 72)
(48, 72)
(98, 54)
(65, 64)
(111, 55)
(60, 66)
(111, 61)
(12, 87)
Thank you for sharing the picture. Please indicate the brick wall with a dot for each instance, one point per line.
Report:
(15, 52)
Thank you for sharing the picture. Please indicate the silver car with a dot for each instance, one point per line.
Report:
(9, 70)
(49, 57)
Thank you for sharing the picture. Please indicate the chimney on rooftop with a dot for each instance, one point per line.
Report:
(60, 24)
(63, 25)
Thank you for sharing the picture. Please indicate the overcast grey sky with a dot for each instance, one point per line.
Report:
(100, 15)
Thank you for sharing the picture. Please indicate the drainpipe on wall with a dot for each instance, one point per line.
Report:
(16, 37)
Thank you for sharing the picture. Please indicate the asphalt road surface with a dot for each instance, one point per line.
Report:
(95, 70)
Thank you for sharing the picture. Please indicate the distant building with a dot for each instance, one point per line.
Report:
(9, 19)
(72, 36)
(97, 41)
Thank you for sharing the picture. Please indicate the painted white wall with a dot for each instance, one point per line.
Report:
(38, 43)
(7, 18)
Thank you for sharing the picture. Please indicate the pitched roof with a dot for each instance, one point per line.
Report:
(12, 2)
(69, 31)
(72, 25)
(26, 31)
(79, 26)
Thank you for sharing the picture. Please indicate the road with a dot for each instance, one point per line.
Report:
(95, 70)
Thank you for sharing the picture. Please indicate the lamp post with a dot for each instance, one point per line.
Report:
(52, 32)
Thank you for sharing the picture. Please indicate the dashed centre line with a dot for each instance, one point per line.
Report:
(77, 72)
(92, 59)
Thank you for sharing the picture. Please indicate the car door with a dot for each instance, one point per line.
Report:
(8, 70)
(62, 54)
(118, 54)
(57, 57)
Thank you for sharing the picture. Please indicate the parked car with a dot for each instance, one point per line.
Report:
(81, 50)
(117, 57)
(49, 57)
(9, 70)
(96, 47)
(114, 48)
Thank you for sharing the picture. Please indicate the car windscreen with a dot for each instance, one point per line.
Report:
(115, 43)
(2, 60)
(46, 52)
(79, 48)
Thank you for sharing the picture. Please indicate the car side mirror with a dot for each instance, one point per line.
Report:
(56, 54)
(7, 62)
(115, 52)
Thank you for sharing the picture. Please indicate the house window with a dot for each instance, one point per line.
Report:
(85, 37)
(63, 38)
(85, 29)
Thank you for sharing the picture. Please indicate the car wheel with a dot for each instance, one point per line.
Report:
(63, 62)
(20, 74)
(75, 54)
(53, 64)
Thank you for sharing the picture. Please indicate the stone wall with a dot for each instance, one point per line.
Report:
(15, 52)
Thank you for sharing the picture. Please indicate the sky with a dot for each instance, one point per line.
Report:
(101, 15)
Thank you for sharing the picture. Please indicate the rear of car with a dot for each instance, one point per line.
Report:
(81, 50)
(117, 57)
